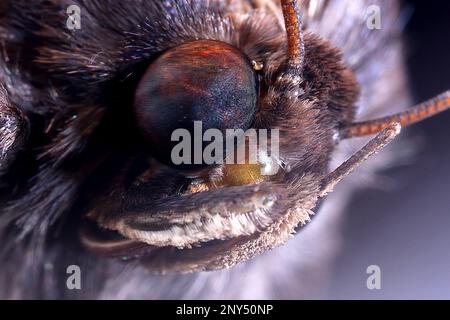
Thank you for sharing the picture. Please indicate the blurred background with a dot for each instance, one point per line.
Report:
(406, 231)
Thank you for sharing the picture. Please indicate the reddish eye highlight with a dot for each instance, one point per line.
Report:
(204, 80)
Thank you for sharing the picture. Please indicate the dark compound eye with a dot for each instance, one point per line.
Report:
(204, 80)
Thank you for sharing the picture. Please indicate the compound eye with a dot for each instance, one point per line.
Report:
(204, 80)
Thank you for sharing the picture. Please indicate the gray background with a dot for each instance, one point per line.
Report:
(406, 231)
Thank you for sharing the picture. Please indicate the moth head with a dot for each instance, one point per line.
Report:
(187, 219)
(104, 145)
(226, 214)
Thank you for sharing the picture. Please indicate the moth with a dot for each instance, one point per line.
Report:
(84, 128)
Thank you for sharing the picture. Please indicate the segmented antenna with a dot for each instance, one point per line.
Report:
(416, 114)
(383, 138)
(293, 24)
